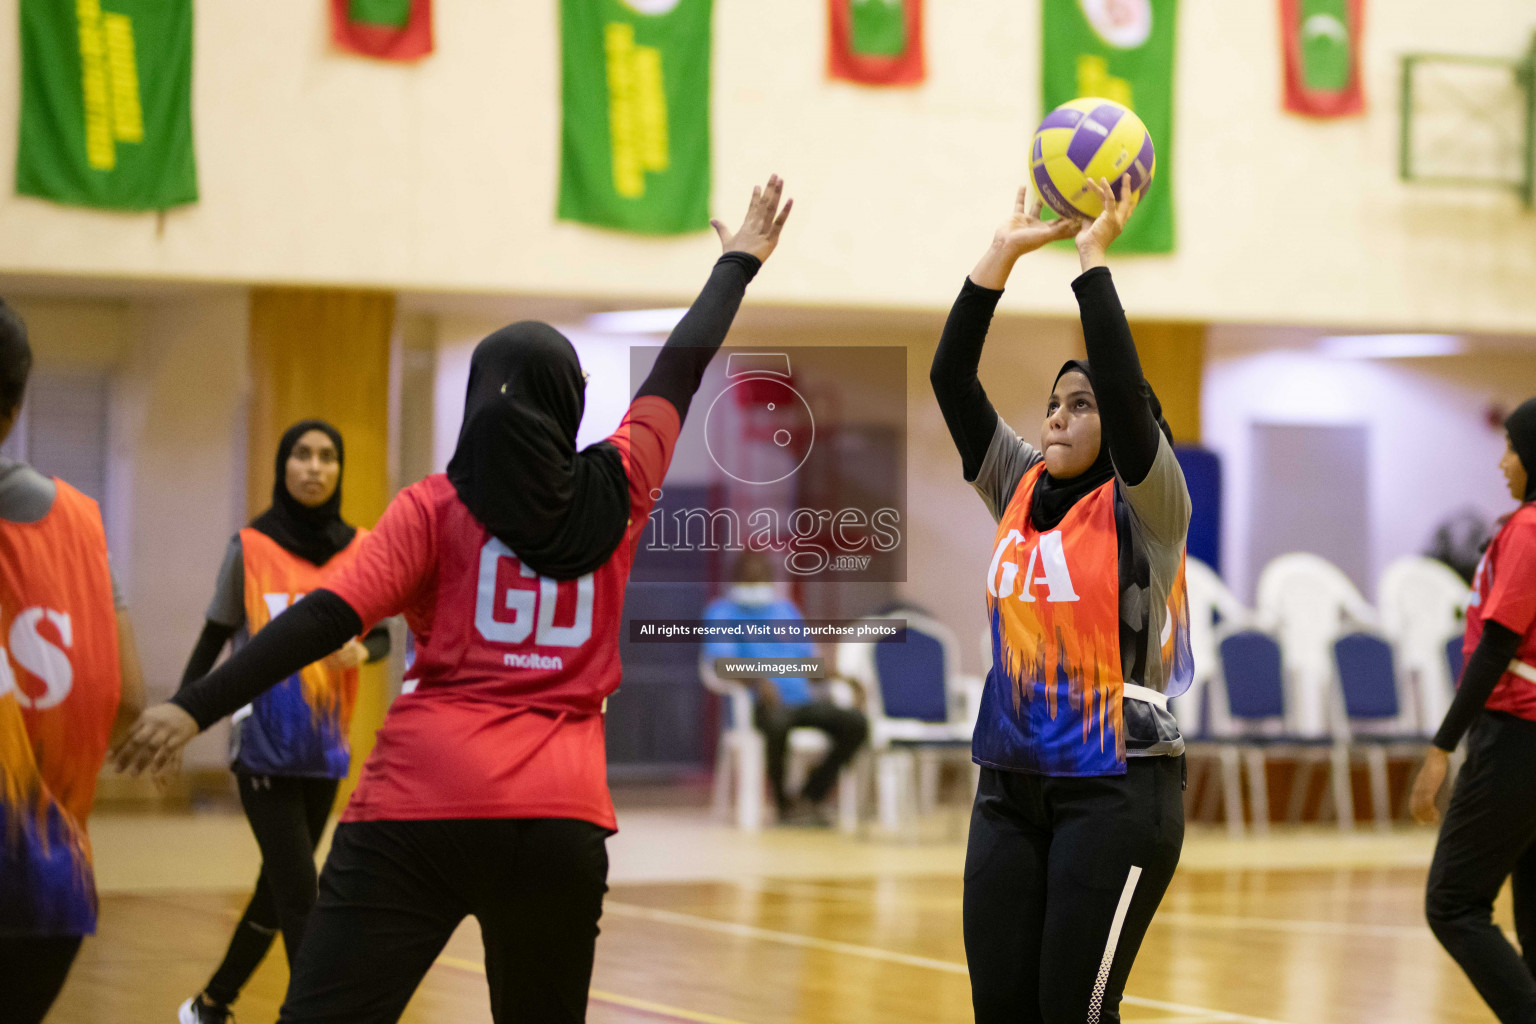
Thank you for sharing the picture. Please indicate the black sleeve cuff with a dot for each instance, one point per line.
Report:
(978, 292)
(749, 264)
(377, 643)
(1095, 277)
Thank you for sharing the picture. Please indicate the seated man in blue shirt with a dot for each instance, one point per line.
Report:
(782, 704)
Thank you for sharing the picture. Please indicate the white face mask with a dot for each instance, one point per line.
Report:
(754, 595)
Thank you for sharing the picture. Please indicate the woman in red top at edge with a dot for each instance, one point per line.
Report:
(487, 791)
(1490, 827)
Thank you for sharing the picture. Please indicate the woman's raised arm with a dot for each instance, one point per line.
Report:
(698, 336)
(968, 412)
(1125, 415)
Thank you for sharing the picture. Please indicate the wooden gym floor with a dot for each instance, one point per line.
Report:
(704, 924)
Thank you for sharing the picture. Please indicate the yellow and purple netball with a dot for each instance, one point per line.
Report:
(1088, 139)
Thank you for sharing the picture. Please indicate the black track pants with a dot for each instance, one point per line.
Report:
(287, 816)
(1062, 877)
(1489, 835)
(32, 973)
(845, 727)
(392, 893)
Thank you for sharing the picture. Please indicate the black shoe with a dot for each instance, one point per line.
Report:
(198, 1011)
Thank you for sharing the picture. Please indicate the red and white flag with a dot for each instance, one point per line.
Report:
(876, 42)
(387, 29)
(1322, 56)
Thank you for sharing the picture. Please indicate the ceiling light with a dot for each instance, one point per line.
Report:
(636, 321)
(1391, 346)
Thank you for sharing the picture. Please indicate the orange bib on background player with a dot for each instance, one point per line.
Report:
(1052, 700)
(60, 685)
(299, 726)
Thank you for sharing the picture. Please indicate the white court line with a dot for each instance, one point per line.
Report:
(747, 931)
(1280, 924)
(1222, 921)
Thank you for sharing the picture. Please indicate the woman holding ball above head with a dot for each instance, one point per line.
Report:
(1079, 816)
(1489, 833)
(487, 791)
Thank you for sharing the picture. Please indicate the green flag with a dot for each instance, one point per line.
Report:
(106, 103)
(634, 150)
(1120, 50)
(879, 27)
(390, 13)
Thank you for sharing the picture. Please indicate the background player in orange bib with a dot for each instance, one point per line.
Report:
(69, 677)
(487, 791)
(288, 747)
(1079, 816)
(1489, 833)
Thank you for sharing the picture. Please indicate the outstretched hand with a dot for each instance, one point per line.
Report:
(1426, 787)
(1024, 231)
(155, 742)
(1094, 239)
(759, 233)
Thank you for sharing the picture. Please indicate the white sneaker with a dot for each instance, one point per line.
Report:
(195, 1011)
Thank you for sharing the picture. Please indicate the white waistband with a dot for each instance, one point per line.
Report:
(1151, 696)
(1523, 670)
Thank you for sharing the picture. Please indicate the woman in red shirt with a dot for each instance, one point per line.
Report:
(1490, 827)
(486, 793)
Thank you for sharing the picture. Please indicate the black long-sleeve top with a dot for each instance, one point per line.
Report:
(211, 641)
(1125, 419)
(321, 622)
(1490, 660)
(681, 363)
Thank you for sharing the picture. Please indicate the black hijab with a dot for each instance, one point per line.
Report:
(1521, 428)
(1053, 497)
(313, 534)
(516, 467)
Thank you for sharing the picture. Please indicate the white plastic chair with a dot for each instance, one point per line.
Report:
(1308, 602)
(741, 772)
(1209, 599)
(1423, 606)
(909, 751)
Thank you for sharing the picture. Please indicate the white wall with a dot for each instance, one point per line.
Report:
(1431, 450)
(318, 168)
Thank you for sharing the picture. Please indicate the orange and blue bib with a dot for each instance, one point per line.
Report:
(60, 685)
(299, 726)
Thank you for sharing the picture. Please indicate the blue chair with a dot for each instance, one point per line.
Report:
(1253, 681)
(1455, 658)
(1368, 684)
(919, 712)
